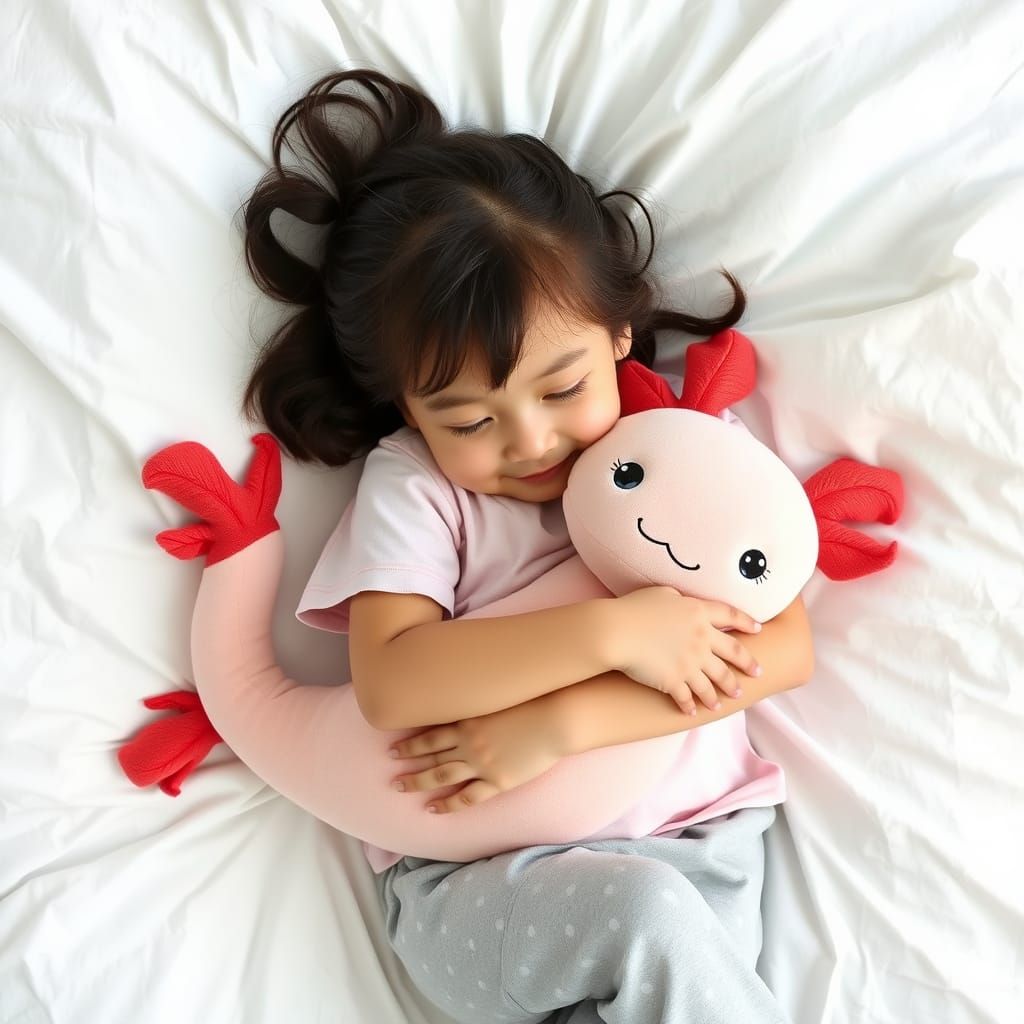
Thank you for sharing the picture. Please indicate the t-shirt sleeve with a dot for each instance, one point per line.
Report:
(401, 534)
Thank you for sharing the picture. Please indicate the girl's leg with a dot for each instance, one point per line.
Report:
(445, 921)
(724, 860)
(581, 1013)
(613, 924)
(623, 924)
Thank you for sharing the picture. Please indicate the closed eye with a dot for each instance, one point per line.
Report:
(576, 389)
(558, 396)
(471, 429)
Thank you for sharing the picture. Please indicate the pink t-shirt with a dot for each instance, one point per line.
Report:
(410, 530)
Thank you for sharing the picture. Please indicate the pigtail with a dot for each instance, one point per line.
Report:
(310, 394)
(309, 398)
(639, 296)
(689, 323)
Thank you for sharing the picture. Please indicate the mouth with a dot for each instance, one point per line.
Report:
(665, 545)
(546, 474)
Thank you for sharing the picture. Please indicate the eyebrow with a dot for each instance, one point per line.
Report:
(563, 362)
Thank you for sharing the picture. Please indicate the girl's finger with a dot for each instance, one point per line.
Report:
(702, 686)
(433, 741)
(448, 774)
(729, 649)
(475, 793)
(721, 675)
(684, 699)
(725, 616)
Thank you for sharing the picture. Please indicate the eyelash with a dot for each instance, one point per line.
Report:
(466, 431)
(559, 396)
(576, 389)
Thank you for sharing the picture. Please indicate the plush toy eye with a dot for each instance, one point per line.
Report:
(628, 475)
(753, 564)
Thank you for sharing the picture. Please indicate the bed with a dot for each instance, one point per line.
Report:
(860, 168)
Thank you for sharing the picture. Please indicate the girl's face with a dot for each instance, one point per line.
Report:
(521, 440)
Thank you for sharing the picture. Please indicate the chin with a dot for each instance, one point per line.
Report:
(537, 493)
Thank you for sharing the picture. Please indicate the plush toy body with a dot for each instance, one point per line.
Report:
(671, 496)
(335, 764)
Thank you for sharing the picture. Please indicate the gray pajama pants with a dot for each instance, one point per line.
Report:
(662, 929)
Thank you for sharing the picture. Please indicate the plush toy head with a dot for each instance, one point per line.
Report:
(673, 495)
(677, 498)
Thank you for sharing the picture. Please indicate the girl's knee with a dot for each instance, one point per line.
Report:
(603, 923)
(608, 899)
(661, 901)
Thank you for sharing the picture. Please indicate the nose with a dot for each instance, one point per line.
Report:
(530, 438)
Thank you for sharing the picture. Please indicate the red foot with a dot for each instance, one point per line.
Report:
(234, 516)
(168, 751)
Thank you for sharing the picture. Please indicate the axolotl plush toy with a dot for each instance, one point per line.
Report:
(671, 495)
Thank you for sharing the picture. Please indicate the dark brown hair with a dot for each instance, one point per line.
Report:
(437, 243)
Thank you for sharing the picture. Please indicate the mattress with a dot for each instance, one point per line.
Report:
(859, 167)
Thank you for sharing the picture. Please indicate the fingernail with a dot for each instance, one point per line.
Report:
(716, 705)
(392, 752)
(431, 809)
(757, 627)
(738, 693)
(400, 786)
(758, 671)
(692, 711)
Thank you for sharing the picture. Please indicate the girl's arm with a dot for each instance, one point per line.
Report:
(497, 752)
(411, 669)
(612, 709)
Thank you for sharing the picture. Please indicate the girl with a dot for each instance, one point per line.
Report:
(472, 298)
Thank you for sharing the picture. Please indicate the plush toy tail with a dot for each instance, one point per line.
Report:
(235, 516)
(849, 490)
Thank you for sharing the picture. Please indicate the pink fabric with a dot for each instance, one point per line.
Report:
(709, 494)
(716, 772)
(409, 530)
(312, 744)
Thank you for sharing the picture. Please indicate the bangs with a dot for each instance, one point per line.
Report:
(476, 301)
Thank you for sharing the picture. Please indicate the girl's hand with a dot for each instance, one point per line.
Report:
(493, 753)
(678, 645)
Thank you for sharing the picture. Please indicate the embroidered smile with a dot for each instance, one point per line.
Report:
(665, 545)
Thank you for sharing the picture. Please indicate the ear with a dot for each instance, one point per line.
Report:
(403, 408)
(623, 343)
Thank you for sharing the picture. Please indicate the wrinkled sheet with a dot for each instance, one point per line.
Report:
(858, 166)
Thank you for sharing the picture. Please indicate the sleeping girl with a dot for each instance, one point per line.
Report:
(461, 330)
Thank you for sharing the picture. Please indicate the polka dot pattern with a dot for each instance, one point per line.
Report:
(472, 942)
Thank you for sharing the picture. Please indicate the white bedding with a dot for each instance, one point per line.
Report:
(859, 166)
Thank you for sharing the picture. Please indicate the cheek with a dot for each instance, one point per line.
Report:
(597, 418)
(463, 462)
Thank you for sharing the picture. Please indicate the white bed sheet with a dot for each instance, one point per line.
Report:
(859, 166)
